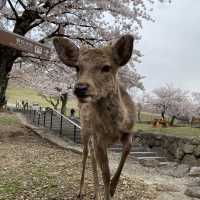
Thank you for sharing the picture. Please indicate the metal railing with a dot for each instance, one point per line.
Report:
(65, 127)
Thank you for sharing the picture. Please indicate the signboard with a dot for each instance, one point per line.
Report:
(2, 4)
(24, 44)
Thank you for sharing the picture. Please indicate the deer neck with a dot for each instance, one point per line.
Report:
(110, 107)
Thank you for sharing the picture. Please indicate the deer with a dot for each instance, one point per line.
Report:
(107, 112)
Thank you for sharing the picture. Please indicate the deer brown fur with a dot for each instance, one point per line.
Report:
(107, 111)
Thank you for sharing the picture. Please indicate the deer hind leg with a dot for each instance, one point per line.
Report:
(94, 170)
(102, 157)
(85, 155)
(126, 140)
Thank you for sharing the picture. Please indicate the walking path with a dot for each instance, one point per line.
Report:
(168, 182)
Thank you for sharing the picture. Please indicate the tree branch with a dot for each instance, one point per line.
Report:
(13, 9)
(22, 4)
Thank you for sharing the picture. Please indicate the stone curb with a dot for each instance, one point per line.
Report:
(46, 134)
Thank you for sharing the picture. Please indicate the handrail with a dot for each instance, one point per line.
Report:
(69, 120)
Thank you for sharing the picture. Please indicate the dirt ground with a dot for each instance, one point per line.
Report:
(33, 169)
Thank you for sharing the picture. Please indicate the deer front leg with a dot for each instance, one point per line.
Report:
(102, 157)
(94, 170)
(85, 155)
(126, 140)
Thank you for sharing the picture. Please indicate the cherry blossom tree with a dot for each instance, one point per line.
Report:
(196, 99)
(174, 102)
(84, 21)
(53, 83)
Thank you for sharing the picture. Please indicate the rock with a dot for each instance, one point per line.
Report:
(197, 151)
(158, 143)
(193, 192)
(150, 163)
(177, 171)
(194, 182)
(173, 147)
(190, 159)
(166, 188)
(188, 148)
(195, 141)
(194, 172)
(181, 170)
(179, 153)
(168, 165)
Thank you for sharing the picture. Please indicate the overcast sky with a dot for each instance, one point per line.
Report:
(171, 46)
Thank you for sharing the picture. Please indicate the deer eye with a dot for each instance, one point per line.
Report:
(106, 68)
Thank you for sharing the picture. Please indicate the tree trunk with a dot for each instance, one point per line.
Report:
(55, 104)
(8, 55)
(163, 114)
(7, 58)
(139, 116)
(64, 98)
(139, 108)
(172, 120)
(3, 86)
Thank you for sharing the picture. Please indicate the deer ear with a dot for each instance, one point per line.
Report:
(67, 51)
(122, 49)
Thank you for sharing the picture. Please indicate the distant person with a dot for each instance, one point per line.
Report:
(23, 103)
(72, 113)
(17, 104)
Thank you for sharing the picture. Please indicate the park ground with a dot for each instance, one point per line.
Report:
(33, 169)
(15, 92)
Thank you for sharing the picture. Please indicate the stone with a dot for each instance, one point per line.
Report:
(190, 160)
(195, 141)
(193, 192)
(150, 163)
(194, 182)
(172, 148)
(181, 171)
(158, 143)
(178, 171)
(188, 148)
(166, 188)
(179, 153)
(197, 151)
(194, 172)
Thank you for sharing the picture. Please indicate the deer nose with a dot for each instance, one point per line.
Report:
(81, 89)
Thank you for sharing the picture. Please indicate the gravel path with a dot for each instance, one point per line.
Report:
(33, 169)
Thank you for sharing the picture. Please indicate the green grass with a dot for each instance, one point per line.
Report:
(8, 120)
(185, 131)
(9, 188)
(15, 93)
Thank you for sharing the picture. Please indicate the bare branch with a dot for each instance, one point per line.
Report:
(13, 9)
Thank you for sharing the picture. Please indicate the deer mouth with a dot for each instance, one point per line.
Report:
(85, 98)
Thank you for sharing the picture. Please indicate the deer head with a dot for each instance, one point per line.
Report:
(96, 67)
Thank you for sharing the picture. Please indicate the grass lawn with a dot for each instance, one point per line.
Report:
(8, 119)
(186, 131)
(24, 93)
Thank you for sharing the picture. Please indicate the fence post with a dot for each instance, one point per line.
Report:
(30, 109)
(34, 115)
(51, 119)
(61, 124)
(39, 118)
(44, 122)
(74, 134)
